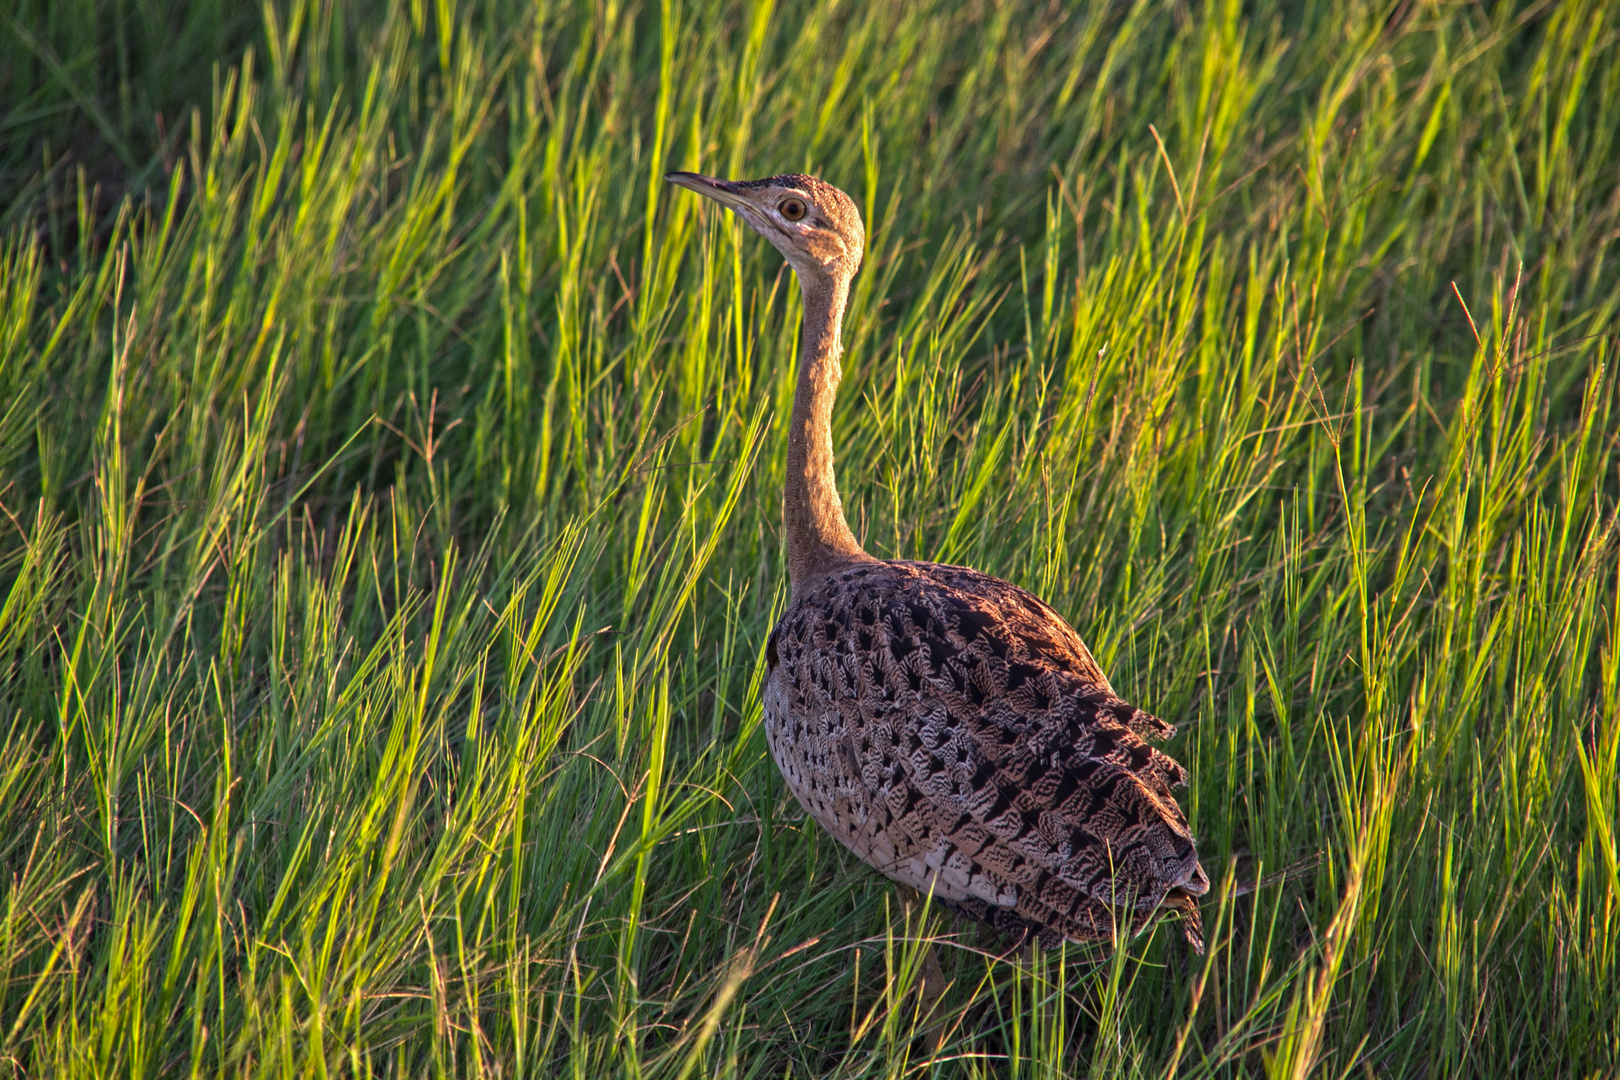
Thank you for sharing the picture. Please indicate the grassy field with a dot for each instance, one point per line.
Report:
(391, 468)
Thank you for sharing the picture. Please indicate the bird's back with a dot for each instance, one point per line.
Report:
(955, 733)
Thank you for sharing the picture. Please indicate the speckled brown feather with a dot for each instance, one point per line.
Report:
(955, 733)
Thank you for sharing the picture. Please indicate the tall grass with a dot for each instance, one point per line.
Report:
(391, 468)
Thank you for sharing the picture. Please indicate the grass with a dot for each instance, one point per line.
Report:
(391, 467)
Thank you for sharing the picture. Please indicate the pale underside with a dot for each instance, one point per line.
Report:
(955, 733)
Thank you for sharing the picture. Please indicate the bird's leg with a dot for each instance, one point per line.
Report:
(931, 981)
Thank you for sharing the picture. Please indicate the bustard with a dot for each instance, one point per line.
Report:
(949, 728)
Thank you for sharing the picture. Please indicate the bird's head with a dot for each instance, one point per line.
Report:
(814, 225)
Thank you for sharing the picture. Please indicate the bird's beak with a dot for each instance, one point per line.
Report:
(723, 192)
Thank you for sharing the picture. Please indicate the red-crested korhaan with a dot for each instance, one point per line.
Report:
(949, 728)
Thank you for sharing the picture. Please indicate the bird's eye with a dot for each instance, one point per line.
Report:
(792, 209)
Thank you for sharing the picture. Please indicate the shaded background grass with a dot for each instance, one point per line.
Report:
(390, 471)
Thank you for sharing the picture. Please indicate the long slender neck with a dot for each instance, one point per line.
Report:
(818, 537)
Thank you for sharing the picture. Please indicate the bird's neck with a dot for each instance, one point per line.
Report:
(818, 537)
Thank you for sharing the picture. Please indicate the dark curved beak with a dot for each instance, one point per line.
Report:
(724, 192)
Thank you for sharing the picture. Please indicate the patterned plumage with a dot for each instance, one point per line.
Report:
(949, 728)
(955, 733)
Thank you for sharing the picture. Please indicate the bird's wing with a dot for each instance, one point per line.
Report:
(971, 727)
(1039, 778)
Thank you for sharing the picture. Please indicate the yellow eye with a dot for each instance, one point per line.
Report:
(792, 209)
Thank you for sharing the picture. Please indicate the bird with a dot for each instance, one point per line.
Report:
(948, 727)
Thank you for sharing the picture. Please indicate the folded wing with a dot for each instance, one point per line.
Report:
(983, 755)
